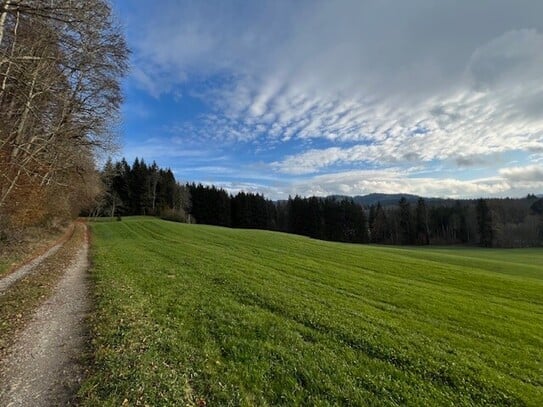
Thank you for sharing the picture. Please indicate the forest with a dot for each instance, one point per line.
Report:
(142, 189)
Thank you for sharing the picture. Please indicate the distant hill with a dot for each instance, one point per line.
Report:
(391, 199)
(385, 199)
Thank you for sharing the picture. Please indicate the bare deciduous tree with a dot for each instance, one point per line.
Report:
(61, 62)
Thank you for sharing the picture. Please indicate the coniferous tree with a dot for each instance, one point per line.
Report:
(484, 220)
(422, 230)
(371, 220)
(381, 232)
(537, 208)
(111, 201)
(357, 219)
(333, 220)
(405, 222)
(463, 231)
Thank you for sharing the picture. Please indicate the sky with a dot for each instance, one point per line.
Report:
(436, 98)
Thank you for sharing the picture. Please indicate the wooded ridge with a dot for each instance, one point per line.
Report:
(143, 189)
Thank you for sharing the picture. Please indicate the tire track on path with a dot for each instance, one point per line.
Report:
(44, 367)
(27, 268)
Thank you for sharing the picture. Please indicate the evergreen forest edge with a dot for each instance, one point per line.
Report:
(142, 189)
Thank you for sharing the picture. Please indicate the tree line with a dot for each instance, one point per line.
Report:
(143, 189)
(328, 219)
(140, 189)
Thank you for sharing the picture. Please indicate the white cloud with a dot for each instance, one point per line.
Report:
(492, 108)
(396, 181)
(421, 81)
(511, 60)
(154, 149)
(361, 182)
(531, 174)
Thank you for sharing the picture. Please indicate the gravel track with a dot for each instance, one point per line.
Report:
(44, 367)
(27, 268)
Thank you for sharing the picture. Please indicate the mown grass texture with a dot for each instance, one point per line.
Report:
(200, 315)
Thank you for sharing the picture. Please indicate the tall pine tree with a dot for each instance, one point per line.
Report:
(484, 221)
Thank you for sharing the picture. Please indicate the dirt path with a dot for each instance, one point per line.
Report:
(43, 367)
(27, 268)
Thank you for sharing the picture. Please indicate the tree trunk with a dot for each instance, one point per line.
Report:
(20, 129)
(12, 53)
(113, 205)
(3, 17)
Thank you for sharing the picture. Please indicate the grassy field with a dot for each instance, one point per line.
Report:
(200, 315)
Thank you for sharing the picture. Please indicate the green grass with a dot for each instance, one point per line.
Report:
(5, 264)
(187, 314)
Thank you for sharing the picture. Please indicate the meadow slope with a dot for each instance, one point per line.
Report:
(213, 316)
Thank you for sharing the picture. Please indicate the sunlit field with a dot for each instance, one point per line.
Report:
(212, 316)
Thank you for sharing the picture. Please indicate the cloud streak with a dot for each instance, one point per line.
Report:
(357, 84)
(361, 182)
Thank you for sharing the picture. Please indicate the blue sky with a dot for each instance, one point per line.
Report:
(436, 98)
